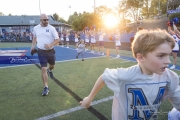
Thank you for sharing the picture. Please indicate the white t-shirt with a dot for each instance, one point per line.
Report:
(45, 35)
(135, 94)
(176, 47)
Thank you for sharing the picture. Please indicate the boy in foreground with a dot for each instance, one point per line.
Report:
(140, 89)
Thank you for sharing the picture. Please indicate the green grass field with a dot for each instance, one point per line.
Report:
(21, 89)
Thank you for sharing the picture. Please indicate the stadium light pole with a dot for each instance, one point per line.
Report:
(39, 7)
(70, 14)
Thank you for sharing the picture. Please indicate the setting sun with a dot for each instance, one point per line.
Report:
(110, 20)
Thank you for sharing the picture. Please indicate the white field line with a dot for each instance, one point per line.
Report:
(119, 58)
(56, 62)
(128, 60)
(113, 58)
(60, 113)
(125, 61)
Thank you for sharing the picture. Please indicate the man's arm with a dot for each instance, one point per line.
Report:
(55, 42)
(49, 46)
(87, 100)
(33, 43)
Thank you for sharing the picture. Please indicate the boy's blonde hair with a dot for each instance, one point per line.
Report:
(147, 41)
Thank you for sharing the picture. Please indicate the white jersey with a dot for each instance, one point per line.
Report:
(45, 35)
(62, 39)
(67, 38)
(87, 39)
(93, 40)
(138, 96)
(101, 36)
(76, 39)
(176, 47)
(174, 114)
(117, 40)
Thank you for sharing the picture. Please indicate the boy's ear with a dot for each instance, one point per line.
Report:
(140, 57)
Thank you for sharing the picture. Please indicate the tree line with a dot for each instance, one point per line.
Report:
(125, 11)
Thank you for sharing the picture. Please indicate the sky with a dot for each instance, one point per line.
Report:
(49, 7)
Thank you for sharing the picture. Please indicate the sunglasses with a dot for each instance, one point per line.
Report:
(45, 20)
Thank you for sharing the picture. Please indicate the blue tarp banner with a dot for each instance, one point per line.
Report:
(19, 59)
(173, 11)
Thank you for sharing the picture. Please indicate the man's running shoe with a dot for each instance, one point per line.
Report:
(45, 91)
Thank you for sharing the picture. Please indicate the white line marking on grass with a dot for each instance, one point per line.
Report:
(56, 62)
(114, 58)
(125, 61)
(80, 59)
(73, 109)
(128, 60)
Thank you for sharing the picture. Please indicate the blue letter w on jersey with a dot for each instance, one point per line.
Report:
(140, 103)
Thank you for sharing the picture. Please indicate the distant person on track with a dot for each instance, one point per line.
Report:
(81, 49)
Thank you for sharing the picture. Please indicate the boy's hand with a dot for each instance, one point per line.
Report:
(85, 102)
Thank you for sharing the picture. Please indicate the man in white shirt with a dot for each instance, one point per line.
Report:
(46, 37)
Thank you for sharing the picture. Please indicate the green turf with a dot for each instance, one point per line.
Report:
(14, 44)
(21, 89)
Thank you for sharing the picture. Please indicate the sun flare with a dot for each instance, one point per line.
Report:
(110, 20)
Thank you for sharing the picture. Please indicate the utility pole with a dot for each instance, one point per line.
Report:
(39, 7)
(70, 14)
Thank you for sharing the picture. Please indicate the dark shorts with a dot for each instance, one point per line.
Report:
(46, 56)
(101, 43)
(176, 51)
